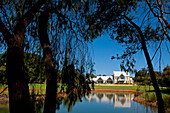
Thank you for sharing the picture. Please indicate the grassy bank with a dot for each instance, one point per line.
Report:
(149, 94)
(139, 88)
(148, 89)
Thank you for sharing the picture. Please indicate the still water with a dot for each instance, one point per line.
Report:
(107, 103)
(98, 103)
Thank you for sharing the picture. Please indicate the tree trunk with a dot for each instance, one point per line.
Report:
(51, 88)
(160, 101)
(19, 98)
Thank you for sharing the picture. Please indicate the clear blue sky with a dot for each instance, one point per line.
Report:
(104, 48)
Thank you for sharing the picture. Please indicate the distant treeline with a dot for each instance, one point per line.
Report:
(35, 70)
(143, 77)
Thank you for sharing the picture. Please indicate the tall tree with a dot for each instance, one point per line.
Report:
(14, 37)
(51, 89)
(50, 29)
(21, 24)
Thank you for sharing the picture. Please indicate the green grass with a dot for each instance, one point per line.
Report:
(37, 86)
(151, 97)
(3, 85)
(139, 88)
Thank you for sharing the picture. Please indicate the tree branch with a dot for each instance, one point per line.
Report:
(162, 14)
(156, 50)
(5, 32)
(167, 48)
(25, 19)
(159, 19)
(151, 8)
(3, 90)
(5, 14)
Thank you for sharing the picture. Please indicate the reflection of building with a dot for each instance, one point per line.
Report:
(101, 97)
(118, 77)
(119, 99)
(122, 99)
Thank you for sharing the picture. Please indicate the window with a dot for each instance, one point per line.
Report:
(122, 76)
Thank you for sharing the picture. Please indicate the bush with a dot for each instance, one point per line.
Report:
(166, 101)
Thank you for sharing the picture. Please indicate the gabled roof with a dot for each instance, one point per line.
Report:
(118, 73)
(103, 78)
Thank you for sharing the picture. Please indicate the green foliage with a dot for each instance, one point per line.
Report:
(3, 78)
(73, 79)
(143, 77)
(34, 68)
(165, 78)
(166, 99)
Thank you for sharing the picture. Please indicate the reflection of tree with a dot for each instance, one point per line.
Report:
(123, 100)
(100, 95)
(109, 96)
(38, 105)
(72, 99)
(59, 102)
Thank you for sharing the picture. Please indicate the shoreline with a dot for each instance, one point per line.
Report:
(114, 90)
(4, 97)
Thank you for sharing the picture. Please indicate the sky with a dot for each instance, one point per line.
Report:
(104, 48)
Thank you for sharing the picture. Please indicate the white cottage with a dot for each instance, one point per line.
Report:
(122, 77)
(117, 77)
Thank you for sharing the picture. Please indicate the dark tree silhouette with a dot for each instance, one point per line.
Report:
(51, 89)
(17, 80)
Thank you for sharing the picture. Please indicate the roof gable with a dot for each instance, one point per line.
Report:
(118, 73)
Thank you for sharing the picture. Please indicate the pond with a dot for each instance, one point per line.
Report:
(106, 103)
(100, 102)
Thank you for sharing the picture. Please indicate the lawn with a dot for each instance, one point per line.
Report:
(139, 88)
(148, 89)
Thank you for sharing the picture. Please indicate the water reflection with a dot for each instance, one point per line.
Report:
(106, 102)
(123, 99)
(95, 103)
(119, 99)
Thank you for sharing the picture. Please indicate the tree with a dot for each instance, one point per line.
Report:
(44, 34)
(3, 78)
(51, 89)
(165, 79)
(160, 10)
(14, 35)
(23, 22)
(34, 68)
(118, 17)
(141, 75)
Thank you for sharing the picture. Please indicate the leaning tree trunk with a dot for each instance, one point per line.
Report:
(160, 101)
(51, 88)
(19, 98)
